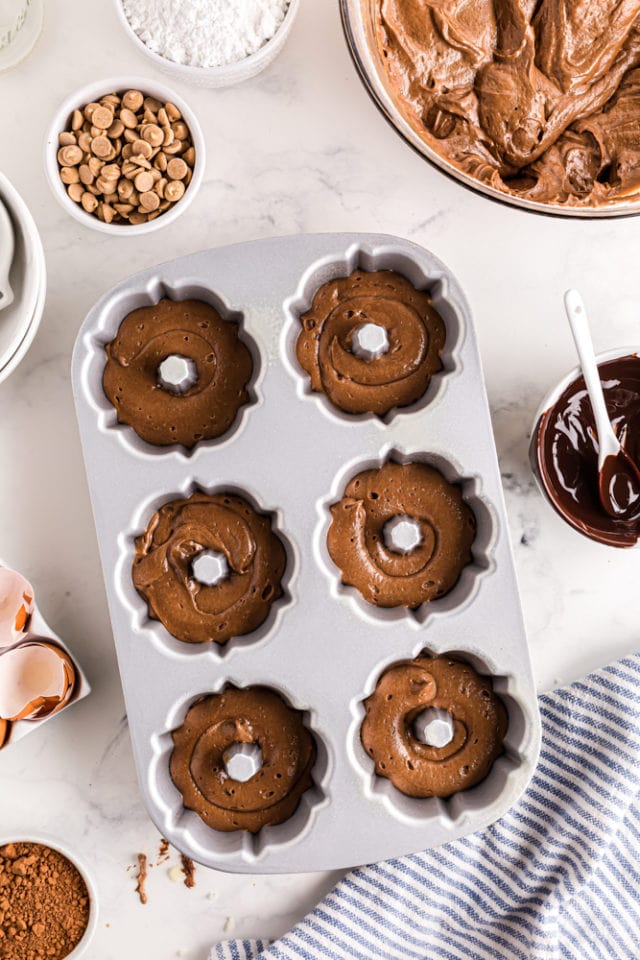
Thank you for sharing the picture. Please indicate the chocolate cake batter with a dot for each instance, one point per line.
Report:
(564, 450)
(250, 715)
(356, 541)
(415, 768)
(537, 99)
(190, 329)
(400, 376)
(182, 529)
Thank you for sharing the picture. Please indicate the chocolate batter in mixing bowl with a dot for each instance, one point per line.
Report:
(538, 101)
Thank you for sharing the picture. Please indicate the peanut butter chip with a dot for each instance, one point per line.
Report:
(176, 169)
(101, 147)
(149, 201)
(75, 191)
(143, 181)
(125, 189)
(153, 134)
(174, 190)
(89, 202)
(129, 118)
(69, 175)
(69, 156)
(132, 100)
(106, 186)
(142, 148)
(116, 129)
(102, 118)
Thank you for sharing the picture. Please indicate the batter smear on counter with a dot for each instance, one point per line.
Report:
(537, 99)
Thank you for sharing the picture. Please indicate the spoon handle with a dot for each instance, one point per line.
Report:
(577, 316)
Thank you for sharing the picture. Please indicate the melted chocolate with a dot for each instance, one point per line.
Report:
(565, 450)
(400, 376)
(620, 487)
(250, 715)
(356, 539)
(415, 768)
(190, 329)
(541, 100)
(224, 523)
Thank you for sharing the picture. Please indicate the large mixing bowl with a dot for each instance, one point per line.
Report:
(359, 28)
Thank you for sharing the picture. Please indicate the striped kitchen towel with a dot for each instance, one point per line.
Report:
(557, 877)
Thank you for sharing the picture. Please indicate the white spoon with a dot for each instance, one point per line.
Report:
(7, 244)
(618, 475)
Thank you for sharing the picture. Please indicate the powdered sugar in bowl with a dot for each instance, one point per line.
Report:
(212, 43)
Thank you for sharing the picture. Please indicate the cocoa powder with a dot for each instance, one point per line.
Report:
(44, 903)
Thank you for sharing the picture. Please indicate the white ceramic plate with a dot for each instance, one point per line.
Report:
(20, 320)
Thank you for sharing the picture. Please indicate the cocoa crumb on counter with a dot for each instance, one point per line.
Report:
(163, 851)
(142, 877)
(189, 870)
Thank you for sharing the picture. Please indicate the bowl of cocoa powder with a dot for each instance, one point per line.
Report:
(48, 904)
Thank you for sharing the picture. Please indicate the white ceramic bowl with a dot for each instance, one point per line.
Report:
(549, 400)
(223, 76)
(94, 91)
(20, 320)
(85, 873)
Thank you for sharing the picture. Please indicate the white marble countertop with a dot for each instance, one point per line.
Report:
(301, 148)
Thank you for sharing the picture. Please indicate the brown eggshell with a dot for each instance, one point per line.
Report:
(16, 606)
(37, 679)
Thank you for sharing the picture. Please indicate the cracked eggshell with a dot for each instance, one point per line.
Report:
(16, 606)
(37, 679)
(4, 732)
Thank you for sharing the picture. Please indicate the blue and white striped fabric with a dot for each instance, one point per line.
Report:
(557, 877)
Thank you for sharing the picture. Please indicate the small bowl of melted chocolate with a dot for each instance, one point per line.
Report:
(564, 446)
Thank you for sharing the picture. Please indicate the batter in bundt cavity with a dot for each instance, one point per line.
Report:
(252, 715)
(225, 525)
(217, 368)
(478, 719)
(409, 330)
(358, 539)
